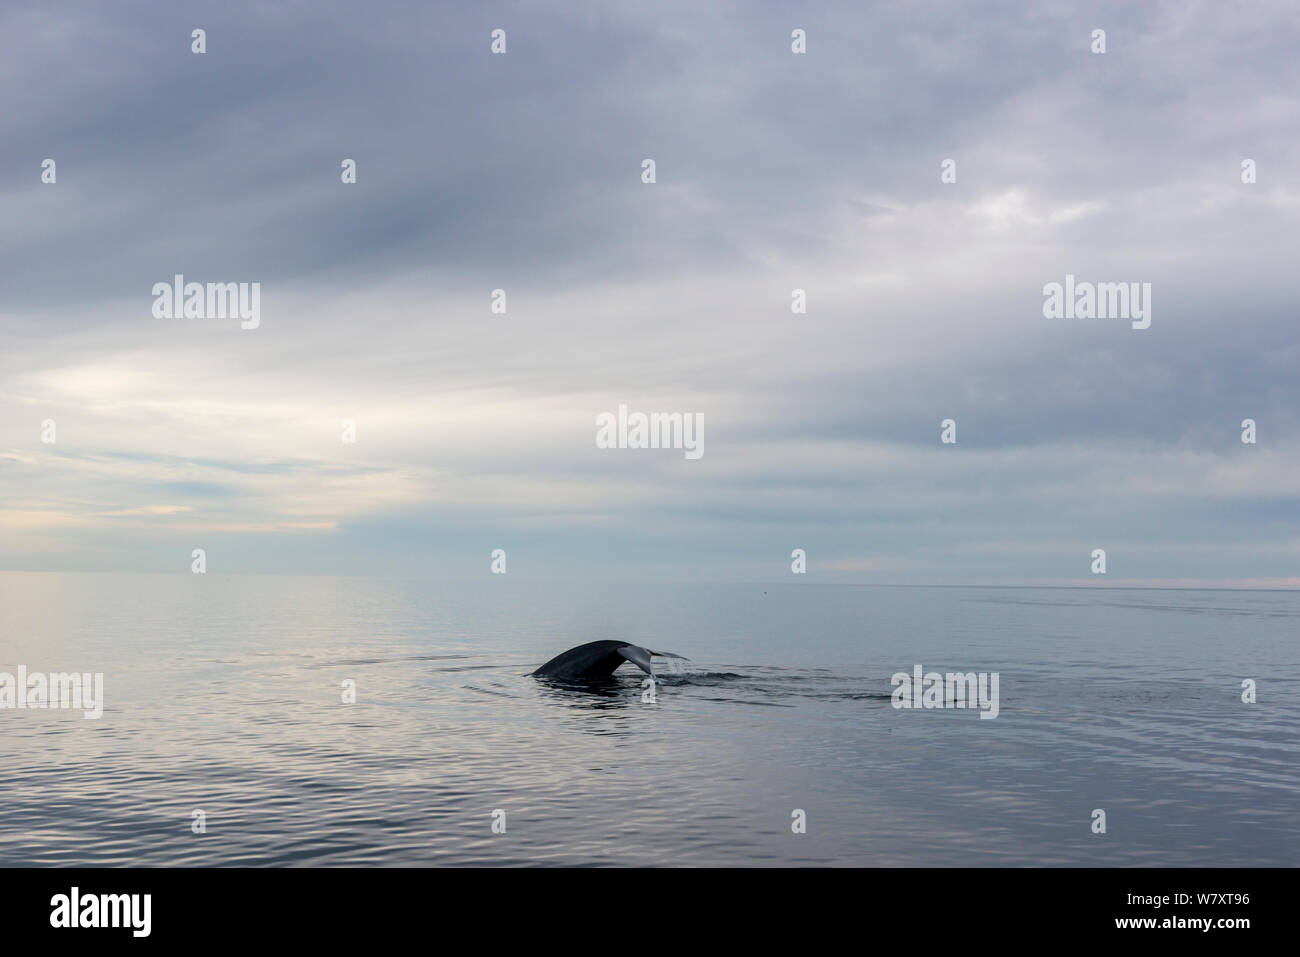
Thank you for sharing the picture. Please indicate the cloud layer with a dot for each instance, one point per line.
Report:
(775, 171)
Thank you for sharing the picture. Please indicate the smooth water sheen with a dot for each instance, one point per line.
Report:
(224, 694)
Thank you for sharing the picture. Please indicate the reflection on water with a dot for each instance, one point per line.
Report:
(590, 694)
(225, 695)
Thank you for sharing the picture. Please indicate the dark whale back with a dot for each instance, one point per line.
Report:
(597, 659)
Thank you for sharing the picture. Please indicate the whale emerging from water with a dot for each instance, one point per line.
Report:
(598, 659)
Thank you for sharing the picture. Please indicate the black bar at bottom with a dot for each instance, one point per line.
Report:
(909, 907)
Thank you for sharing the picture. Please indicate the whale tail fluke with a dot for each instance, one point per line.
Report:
(638, 656)
(599, 658)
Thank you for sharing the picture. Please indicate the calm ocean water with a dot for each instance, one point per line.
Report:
(224, 694)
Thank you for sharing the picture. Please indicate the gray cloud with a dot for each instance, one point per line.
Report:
(774, 172)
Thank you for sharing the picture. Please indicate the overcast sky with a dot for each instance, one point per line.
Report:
(774, 171)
